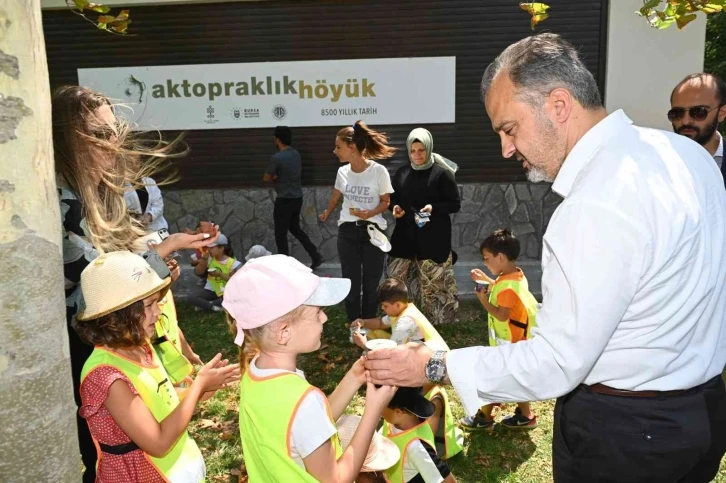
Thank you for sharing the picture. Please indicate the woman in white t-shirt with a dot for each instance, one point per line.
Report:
(365, 187)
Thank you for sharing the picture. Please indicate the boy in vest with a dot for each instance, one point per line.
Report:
(408, 324)
(406, 424)
(512, 310)
(287, 425)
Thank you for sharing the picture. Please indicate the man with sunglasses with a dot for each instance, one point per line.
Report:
(698, 106)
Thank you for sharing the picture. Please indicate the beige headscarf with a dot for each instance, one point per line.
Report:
(424, 137)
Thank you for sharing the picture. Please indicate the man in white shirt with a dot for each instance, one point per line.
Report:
(698, 106)
(631, 335)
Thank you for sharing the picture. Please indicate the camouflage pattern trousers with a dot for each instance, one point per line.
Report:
(432, 286)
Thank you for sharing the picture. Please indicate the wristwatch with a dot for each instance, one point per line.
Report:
(436, 368)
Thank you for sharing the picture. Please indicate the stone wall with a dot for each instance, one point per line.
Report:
(245, 216)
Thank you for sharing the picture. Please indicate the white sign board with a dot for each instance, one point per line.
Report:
(311, 93)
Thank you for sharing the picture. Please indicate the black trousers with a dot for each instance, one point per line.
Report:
(286, 215)
(362, 263)
(204, 299)
(603, 438)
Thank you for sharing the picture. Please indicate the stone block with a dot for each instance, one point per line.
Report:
(172, 210)
(455, 236)
(521, 215)
(308, 212)
(464, 218)
(522, 229)
(546, 215)
(511, 199)
(470, 207)
(232, 226)
(534, 208)
(218, 196)
(329, 250)
(539, 190)
(219, 213)
(244, 209)
(496, 218)
(187, 221)
(552, 198)
(470, 234)
(197, 201)
(254, 233)
(263, 210)
(258, 194)
(533, 247)
(468, 192)
(322, 197)
(315, 234)
(494, 198)
(522, 192)
(503, 187)
(174, 196)
(230, 195)
(482, 192)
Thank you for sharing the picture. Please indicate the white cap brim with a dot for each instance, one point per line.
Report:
(330, 291)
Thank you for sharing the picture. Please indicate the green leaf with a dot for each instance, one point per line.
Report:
(684, 20)
(120, 27)
(80, 4)
(647, 7)
(711, 7)
(537, 10)
(97, 7)
(106, 18)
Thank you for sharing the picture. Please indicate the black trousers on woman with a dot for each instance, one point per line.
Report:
(362, 263)
(601, 438)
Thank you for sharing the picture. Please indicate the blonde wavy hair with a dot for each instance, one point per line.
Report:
(81, 141)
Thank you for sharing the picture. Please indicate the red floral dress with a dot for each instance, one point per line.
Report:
(127, 468)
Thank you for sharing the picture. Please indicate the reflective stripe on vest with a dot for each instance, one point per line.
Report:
(168, 343)
(453, 437)
(403, 440)
(156, 390)
(431, 335)
(267, 408)
(218, 284)
(499, 332)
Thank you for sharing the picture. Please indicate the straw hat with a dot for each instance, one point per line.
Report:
(116, 280)
(382, 453)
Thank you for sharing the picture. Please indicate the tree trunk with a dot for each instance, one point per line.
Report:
(37, 410)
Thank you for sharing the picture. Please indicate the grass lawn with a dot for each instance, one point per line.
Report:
(500, 456)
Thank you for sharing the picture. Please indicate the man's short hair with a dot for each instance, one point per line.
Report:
(393, 290)
(720, 85)
(284, 134)
(539, 64)
(501, 241)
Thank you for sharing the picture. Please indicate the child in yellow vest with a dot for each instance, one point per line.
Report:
(407, 426)
(134, 413)
(408, 324)
(512, 310)
(219, 264)
(287, 425)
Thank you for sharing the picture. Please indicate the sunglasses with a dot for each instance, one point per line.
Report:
(697, 113)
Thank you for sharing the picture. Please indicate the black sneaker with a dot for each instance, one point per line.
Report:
(476, 422)
(519, 421)
(317, 261)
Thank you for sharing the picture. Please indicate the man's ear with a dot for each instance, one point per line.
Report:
(561, 103)
(722, 114)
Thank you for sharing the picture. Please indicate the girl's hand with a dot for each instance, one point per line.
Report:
(427, 209)
(398, 212)
(358, 370)
(377, 398)
(217, 374)
(184, 241)
(364, 214)
(324, 216)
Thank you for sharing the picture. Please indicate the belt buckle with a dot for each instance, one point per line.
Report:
(360, 222)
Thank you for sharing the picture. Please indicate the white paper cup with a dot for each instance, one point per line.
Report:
(481, 285)
(376, 344)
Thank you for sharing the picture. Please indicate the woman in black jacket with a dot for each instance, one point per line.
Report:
(421, 254)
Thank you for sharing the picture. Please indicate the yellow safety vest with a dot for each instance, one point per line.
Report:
(214, 282)
(267, 408)
(449, 438)
(402, 440)
(431, 336)
(156, 390)
(499, 332)
(167, 343)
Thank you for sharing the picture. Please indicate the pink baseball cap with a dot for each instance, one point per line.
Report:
(267, 288)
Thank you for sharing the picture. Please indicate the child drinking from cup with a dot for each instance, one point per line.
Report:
(136, 418)
(287, 425)
(219, 264)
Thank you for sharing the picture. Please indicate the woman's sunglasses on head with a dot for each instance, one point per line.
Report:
(697, 113)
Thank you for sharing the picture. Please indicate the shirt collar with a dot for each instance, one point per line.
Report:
(585, 148)
(719, 150)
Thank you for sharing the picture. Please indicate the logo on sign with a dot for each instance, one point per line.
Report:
(279, 112)
(211, 118)
(236, 113)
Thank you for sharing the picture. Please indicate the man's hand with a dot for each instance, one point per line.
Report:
(401, 366)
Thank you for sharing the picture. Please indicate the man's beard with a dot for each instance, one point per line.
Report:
(538, 175)
(701, 137)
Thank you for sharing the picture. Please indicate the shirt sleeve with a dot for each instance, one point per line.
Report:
(236, 265)
(272, 166)
(311, 426)
(385, 320)
(507, 298)
(340, 181)
(449, 197)
(406, 331)
(585, 297)
(428, 464)
(156, 203)
(384, 181)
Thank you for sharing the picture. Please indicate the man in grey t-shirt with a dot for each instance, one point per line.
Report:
(285, 169)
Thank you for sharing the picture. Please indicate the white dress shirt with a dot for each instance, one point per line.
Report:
(634, 275)
(155, 207)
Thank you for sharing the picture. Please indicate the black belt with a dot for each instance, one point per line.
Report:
(119, 449)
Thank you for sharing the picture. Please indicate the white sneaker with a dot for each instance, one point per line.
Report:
(378, 238)
(216, 308)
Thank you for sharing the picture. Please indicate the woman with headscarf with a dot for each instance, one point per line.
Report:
(425, 195)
